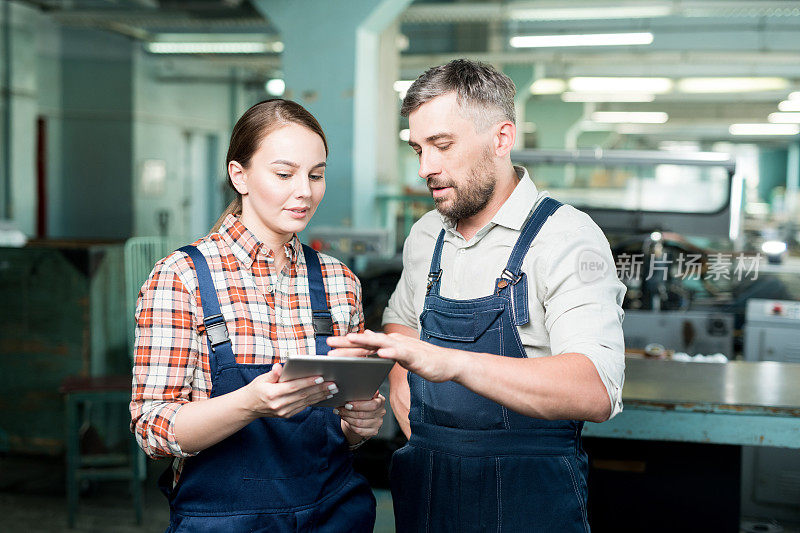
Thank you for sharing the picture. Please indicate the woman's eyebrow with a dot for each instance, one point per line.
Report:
(323, 164)
(285, 162)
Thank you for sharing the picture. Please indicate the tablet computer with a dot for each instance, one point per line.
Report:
(357, 378)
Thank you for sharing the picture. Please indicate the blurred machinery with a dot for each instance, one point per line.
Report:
(677, 296)
(771, 476)
(350, 243)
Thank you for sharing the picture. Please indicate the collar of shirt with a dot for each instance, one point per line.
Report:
(512, 214)
(245, 246)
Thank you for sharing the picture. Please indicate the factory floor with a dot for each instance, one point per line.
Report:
(32, 501)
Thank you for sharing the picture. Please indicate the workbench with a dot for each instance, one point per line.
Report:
(672, 460)
(740, 403)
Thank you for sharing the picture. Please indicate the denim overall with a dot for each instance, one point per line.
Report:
(471, 464)
(276, 475)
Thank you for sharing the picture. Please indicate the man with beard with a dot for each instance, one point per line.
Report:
(506, 339)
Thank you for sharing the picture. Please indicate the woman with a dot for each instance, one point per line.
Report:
(250, 453)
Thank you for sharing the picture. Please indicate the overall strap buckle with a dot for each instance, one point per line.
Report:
(433, 277)
(508, 278)
(323, 323)
(216, 330)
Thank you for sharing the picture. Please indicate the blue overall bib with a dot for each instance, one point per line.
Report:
(276, 475)
(472, 464)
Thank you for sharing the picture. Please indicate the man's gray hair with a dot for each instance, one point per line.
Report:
(485, 95)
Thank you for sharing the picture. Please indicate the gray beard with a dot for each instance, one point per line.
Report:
(471, 197)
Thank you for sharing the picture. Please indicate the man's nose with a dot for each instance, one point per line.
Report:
(428, 165)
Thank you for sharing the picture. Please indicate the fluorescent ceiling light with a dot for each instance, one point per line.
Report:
(548, 86)
(607, 97)
(589, 13)
(784, 118)
(789, 105)
(590, 39)
(401, 87)
(630, 117)
(209, 48)
(731, 85)
(794, 96)
(764, 129)
(622, 84)
(275, 87)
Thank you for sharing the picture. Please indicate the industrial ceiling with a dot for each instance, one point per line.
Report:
(689, 39)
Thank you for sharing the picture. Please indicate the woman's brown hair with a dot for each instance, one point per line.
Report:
(256, 123)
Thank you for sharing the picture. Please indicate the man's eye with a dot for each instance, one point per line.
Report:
(444, 147)
(317, 177)
(283, 175)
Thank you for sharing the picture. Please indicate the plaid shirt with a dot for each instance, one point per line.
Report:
(268, 315)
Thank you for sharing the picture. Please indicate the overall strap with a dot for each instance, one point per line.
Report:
(435, 273)
(546, 207)
(320, 313)
(513, 281)
(219, 343)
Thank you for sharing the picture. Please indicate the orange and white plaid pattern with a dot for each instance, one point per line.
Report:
(268, 317)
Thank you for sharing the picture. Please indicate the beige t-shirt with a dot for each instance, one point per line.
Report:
(574, 295)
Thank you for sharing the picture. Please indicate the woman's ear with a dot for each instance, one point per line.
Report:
(238, 177)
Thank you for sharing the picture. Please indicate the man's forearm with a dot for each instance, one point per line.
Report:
(400, 394)
(565, 386)
(400, 398)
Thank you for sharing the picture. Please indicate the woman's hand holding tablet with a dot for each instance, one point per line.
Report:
(273, 395)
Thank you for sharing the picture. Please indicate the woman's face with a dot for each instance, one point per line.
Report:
(283, 184)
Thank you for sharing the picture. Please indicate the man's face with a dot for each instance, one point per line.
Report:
(454, 159)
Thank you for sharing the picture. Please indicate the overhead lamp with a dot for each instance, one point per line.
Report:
(548, 86)
(589, 13)
(607, 97)
(587, 39)
(764, 129)
(630, 117)
(208, 48)
(620, 84)
(794, 96)
(789, 105)
(275, 87)
(731, 85)
(401, 87)
(784, 118)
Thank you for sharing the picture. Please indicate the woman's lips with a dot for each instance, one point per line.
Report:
(299, 212)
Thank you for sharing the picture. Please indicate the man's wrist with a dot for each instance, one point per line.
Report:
(460, 362)
(358, 444)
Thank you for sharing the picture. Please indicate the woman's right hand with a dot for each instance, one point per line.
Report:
(268, 396)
